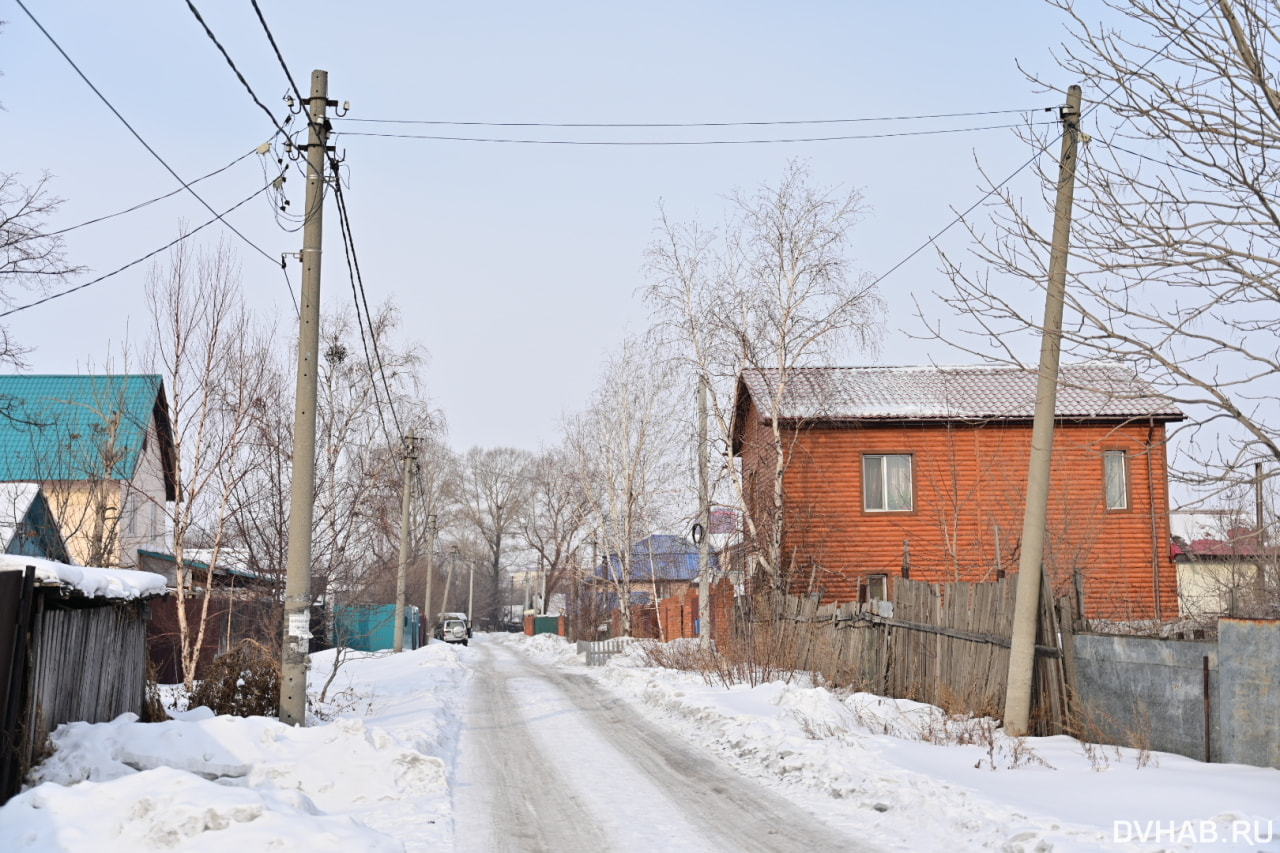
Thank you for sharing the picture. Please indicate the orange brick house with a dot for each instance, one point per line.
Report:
(921, 472)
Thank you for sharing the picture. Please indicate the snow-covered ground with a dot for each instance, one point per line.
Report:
(375, 773)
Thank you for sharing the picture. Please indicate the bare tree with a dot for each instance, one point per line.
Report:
(1176, 237)
(773, 290)
(627, 458)
(491, 491)
(204, 348)
(30, 257)
(359, 469)
(555, 522)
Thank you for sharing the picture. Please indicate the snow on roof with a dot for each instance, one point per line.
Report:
(90, 581)
(1088, 390)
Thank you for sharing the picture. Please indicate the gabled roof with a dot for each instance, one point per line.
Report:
(27, 525)
(662, 557)
(1094, 390)
(82, 427)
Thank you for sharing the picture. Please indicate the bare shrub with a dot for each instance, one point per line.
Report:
(244, 682)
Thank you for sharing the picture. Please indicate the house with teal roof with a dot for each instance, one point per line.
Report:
(101, 448)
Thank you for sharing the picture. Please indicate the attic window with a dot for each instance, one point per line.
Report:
(887, 483)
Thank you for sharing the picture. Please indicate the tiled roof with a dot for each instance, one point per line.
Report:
(74, 427)
(1088, 390)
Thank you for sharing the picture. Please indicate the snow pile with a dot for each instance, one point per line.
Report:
(375, 774)
(89, 580)
(903, 774)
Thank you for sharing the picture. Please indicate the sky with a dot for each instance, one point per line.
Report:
(516, 266)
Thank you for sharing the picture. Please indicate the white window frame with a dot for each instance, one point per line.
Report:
(884, 490)
(1115, 479)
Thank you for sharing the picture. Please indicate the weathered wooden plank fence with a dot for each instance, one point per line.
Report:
(945, 644)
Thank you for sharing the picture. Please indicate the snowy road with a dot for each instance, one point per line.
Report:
(549, 761)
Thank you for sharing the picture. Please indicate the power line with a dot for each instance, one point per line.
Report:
(252, 94)
(360, 297)
(349, 247)
(185, 185)
(152, 201)
(685, 124)
(1168, 44)
(217, 217)
(671, 142)
(302, 100)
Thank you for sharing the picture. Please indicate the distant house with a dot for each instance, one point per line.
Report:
(661, 563)
(101, 448)
(921, 472)
(1225, 566)
(27, 524)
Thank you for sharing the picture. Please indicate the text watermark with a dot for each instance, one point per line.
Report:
(1194, 831)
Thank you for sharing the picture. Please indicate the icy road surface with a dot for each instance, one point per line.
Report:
(549, 761)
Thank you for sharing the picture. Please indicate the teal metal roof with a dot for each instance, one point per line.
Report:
(79, 427)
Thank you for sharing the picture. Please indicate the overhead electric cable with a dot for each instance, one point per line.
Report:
(152, 201)
(185, 185)
(252, 94)
(353, 261)
(670, 142)
(1169, 43)
(685, 124)
(216, 218)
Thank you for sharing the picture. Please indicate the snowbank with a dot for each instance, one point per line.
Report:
(904, 775)
(375, 774)
(89, 580)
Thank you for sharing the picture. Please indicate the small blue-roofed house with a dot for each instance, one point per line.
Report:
(101, 448)
(27, 525)
(663, 562)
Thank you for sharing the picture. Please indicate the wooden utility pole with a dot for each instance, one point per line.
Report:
(1022, 655)
(402, 566)
(704, 522)
(297, 587)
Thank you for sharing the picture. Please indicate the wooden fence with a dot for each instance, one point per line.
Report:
(62, 660)
(945, 644)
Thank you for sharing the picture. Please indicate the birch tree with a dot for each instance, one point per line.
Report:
(203, 347)
(773, 289)
(626, 448)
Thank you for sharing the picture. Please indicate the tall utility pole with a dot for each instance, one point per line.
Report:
(402, 567)
(448, 578)
(1022, 655)
(297, 586)
(431, 574)
(704, 521)
(471, 592)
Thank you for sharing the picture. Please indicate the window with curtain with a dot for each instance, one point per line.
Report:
(1115, 465)
(886, 483)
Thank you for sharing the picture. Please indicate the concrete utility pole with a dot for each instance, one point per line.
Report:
(704, 522)
(402, 567)
(471, 592)
(431, 574)
(1022, 655)
(448, 578)
(297, 587)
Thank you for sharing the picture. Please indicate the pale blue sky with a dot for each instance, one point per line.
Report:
(516, 265)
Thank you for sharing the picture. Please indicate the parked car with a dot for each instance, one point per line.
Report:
(452, 631)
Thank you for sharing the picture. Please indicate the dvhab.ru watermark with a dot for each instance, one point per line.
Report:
(1193, 831)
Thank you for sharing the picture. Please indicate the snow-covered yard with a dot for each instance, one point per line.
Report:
(375, 774)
